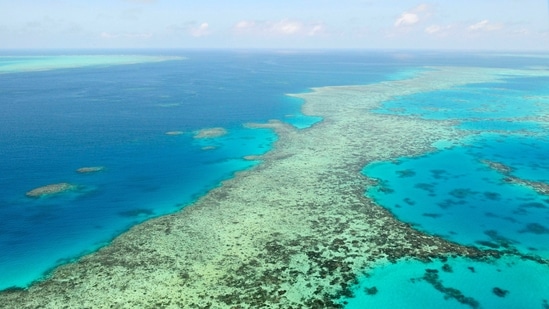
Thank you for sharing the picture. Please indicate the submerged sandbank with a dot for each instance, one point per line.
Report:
(90, 169)
(174, 133)
(295, 231)
(15, 64)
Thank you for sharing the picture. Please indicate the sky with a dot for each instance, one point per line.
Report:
(504, 25)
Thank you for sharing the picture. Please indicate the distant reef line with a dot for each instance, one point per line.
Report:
(55, 62)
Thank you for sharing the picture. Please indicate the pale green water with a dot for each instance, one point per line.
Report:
(457, 283)
(13, 64)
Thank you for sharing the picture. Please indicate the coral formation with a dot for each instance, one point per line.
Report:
(50, 189)
(210, 133)
(90, 169)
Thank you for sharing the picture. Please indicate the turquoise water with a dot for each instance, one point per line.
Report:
(495, 125)
(443, 192)
(453, 283)
(512, 99)
(22, 63)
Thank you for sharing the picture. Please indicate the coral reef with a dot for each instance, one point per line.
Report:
(210, 133)
(90, 169)
(50, 190)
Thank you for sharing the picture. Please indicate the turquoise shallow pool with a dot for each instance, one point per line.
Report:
(453, 283)
(454, 194)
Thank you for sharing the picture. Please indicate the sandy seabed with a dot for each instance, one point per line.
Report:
(293, 232)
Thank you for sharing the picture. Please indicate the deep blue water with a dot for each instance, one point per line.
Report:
(54, 122)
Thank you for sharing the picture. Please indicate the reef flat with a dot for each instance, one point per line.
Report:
(50, 189)
(210, 133)
(90, 169)
(293, 232)
(539, 186)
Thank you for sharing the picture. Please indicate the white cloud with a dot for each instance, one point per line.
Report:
(283, 27)
(201, 30)
(413, 16)
(407, 19)
(485, 25)
(316, 29)
(286, 27)
(438, 30)
(244, 25)
(108, 35)
(433, 29)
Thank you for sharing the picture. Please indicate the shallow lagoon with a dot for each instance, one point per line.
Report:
(453, 283)
(514, 98)
(452, 193)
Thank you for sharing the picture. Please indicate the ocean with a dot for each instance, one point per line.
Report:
(135, 118)
(56, 120)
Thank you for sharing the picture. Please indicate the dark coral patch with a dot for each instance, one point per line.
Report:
(439, 174)
(371, 291)
(500, 292)
(494, 196)
(535, 228)
(461, 193)
(432, 215)
(406, 173)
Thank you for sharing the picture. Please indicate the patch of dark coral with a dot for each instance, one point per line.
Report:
(535, 228)
(499, 292)
(498, 239)
(406, 173)
(371, 291)
(431, 277)
(447, 268)
(462, 193)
